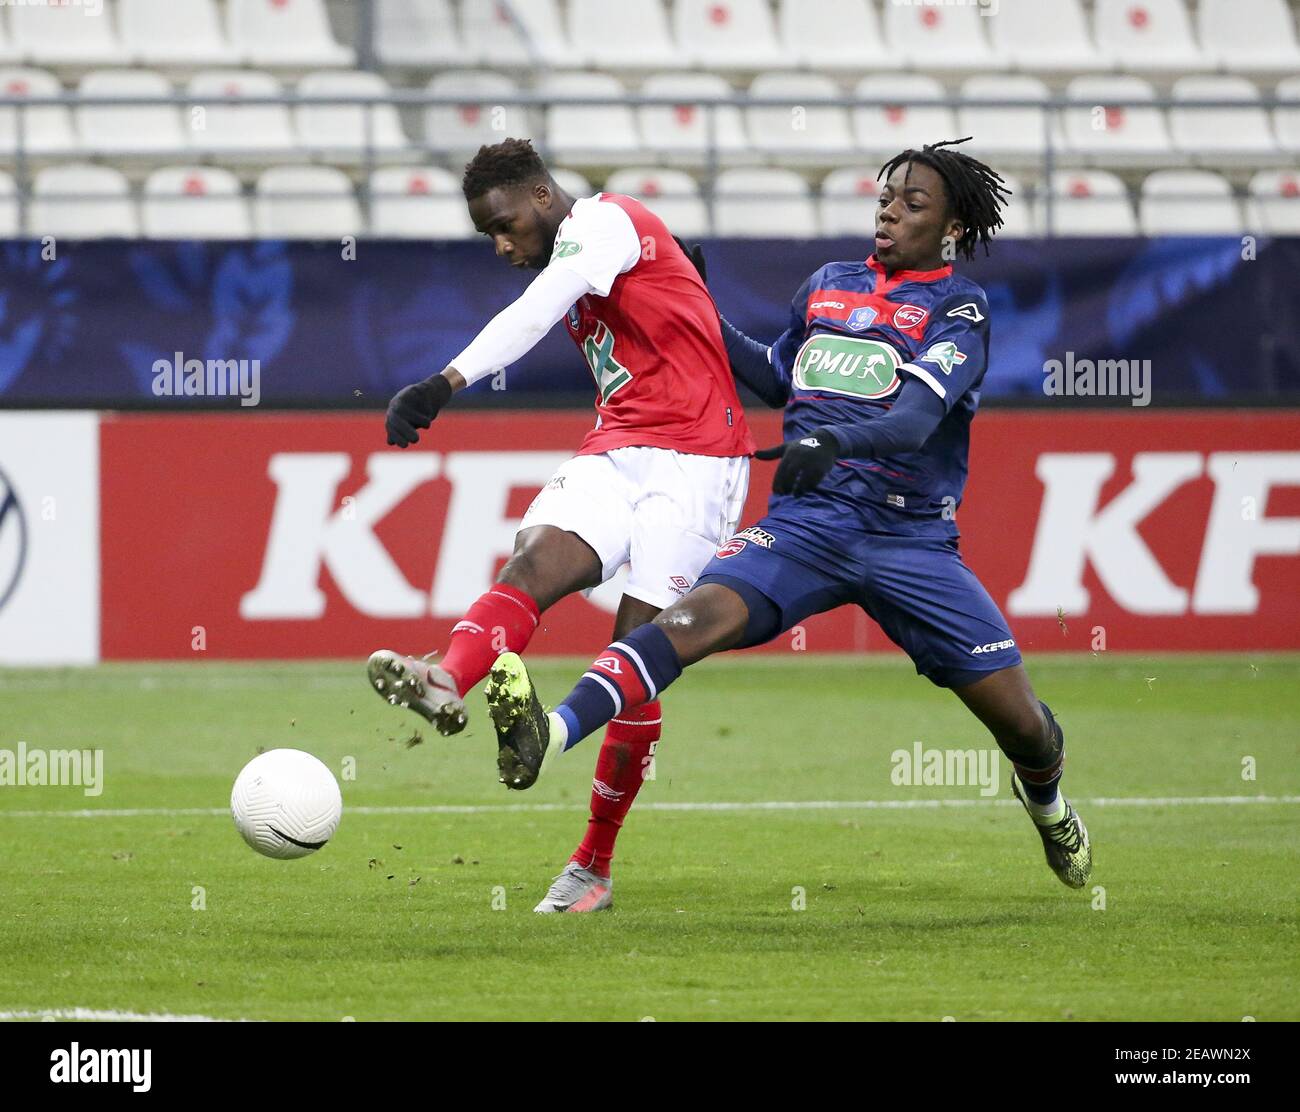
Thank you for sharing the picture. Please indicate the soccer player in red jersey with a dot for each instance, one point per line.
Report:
(658, 484)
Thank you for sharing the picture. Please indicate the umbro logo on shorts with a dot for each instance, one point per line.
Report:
(679, 583)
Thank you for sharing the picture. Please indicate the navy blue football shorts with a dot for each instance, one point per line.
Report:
(917, 589)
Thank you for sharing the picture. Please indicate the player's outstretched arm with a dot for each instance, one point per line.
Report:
(753, 365)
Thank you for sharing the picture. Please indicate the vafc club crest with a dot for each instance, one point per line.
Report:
(736, 544)
(909, 316)
(862, 318)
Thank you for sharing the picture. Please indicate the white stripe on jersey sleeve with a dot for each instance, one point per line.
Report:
(926, 377)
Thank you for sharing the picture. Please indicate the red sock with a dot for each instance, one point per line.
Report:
(501, 621)
(625, 761)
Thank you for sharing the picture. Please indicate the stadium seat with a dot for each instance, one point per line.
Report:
(1113, 134)
(462, 128)
(64, 35)
(292, 33)
(130, 127)
(1020, 216)
(630, 34)
(672, 195)
(572, 182)
(1240, 134)
(251, 132)
(1006, 132)
(194, 202)
(841, 36)
(683, 131)
(46, 130)
(82, 202)
(1144, 35)
(422, 202)
(174, 33)
(8, 52)
(888, 129)
(417, 33)
(1286, 117)
(596, 133)
(849, 199)
(305, 202)
(763, 202)
(9, 227)
(1090, 203)
(727, 34)
(1274, 204)
(1249, 35)
(1188, 203)
(341, 132)
(522, 33)
(804, 131)
(1047, 36)
(939, 36)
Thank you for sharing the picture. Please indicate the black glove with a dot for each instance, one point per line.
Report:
(414, 407)
(696, 254)
(804, 463)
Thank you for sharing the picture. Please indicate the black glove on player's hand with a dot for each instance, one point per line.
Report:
(696, 254)
(804, 463)
(414, 407)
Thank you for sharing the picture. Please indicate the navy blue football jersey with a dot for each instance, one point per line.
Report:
(854, 336)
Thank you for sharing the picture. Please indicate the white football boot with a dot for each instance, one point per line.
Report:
(577, 890)
(427, 689)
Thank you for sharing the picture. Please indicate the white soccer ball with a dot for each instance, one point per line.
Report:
(286, 803)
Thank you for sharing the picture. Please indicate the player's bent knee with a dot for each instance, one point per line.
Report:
(708, 620)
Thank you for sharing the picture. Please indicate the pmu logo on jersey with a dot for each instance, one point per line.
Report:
(831, 363)
(861, 318)
(909, 316)
(13, 539)
(944, 355)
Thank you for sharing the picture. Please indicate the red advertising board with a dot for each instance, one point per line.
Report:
(303, 535)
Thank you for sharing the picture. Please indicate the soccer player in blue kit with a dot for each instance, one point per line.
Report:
(879, 372)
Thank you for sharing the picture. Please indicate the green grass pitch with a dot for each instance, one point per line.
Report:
(910, 912)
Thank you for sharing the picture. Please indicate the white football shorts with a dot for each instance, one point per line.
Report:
(661, 511)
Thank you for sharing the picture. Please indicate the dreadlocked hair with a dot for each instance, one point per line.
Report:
(510, 162)
(975, 191)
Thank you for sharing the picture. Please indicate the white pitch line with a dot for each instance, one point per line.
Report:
(110, 1015)
(751, 805)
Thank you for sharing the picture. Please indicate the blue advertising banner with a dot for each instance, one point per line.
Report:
(113, 323)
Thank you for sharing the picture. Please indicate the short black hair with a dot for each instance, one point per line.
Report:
(975, 191)
(510, 162)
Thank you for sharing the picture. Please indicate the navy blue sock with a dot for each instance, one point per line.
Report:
(630, 672)
(1041, 784)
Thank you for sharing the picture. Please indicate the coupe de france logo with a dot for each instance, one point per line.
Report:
(13, 540)
(861, 318)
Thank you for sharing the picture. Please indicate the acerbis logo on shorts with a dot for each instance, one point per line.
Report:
(994, 646)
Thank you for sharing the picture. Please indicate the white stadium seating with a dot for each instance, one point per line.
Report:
(1111, 133)
(47, 129)
(672, 195)
(763, 202)
(1144, 35)
(939, 37)
(344, 132)
(422, 202)
(1286, 117)
(109, 129)
(194, 202)
(804, 130)
(284, 33)
(417, 33)
(78, 201)
(598, 133)
(1221, 134)
(684, 131)
(1274, 204)
(850, 197)
(1020, 216)
(305, 202)
(623, 35)
(219, 125)
(1091, 203)
(64, 35)
(460, 129)
(1044, 36)
(842, 36)
(1007, 132)
(572, 182)
(174, 33)
(526, 32)
(888, 129)
(727, 34)
(1188, 203)
(1249, 35)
